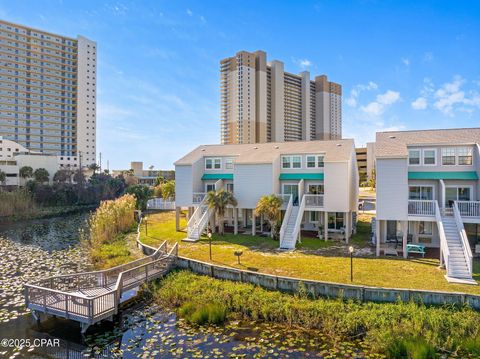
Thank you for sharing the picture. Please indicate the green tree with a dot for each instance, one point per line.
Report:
(160, 180)
(61, 176)
(270, 208)
(372, 182)
(218, 201)
(3, 177)
(41, 175)
(26, 172)
(168, 190)
(94, 167)
(142, 194)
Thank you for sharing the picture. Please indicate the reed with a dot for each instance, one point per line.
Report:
(18, 203)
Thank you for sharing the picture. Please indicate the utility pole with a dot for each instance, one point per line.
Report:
(100, 162)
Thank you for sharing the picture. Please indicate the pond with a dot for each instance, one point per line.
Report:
(32, 249)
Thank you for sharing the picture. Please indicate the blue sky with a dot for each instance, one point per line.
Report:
(402, 64)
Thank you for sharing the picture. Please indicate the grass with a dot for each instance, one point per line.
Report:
(400, 330)
(119, 251)
(310, 261)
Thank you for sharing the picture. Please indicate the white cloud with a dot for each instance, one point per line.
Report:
(189, 12)
(381, 103)
(356, 90)
(406, 61)
(450, 96)
(420, 103)
(302, 63)
(428, 57)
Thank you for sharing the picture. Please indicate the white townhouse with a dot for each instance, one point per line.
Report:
(318, 181)
(428, 195)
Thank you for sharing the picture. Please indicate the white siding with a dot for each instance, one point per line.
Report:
(337, 184)
(251, 182)
(183, 186)
(353, 188)
(392, 189)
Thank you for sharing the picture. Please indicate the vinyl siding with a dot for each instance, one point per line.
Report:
(251, 182)
(337, 187)
(392, 189)
(183, 186)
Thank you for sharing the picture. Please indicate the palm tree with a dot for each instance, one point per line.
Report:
(41, 175)
(269, 207)
(168, 190)
(26, 172)
(94, 167)
(218, 201)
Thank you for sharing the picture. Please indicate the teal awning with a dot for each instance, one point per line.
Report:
(461, 175)
(300, 176)
(217, 176)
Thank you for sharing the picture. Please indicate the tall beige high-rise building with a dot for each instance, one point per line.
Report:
(48, 93)
(261, 102)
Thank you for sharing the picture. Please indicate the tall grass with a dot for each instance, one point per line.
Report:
(390, 328)
(106, 228)
(16, 203)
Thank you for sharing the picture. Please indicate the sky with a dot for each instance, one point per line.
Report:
(402, 64)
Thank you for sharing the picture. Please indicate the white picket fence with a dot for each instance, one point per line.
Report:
(160, 203)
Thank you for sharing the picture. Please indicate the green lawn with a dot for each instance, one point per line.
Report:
(308, 261)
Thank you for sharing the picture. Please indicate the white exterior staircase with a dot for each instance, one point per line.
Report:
(198, 223)
(458, 255)
(289, 239)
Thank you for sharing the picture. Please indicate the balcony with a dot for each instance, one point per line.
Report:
(198, 197)
(421, 208)
(313, 201)
(469, 210)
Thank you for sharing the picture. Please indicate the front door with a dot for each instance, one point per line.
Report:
(456, 194)
(291, 189)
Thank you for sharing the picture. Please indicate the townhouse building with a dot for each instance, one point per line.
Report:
(428, 195)
(317, 180)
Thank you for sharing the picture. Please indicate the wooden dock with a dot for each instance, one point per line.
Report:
(94, 296)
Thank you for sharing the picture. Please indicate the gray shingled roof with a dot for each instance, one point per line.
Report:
(335, 151)
(394, 143)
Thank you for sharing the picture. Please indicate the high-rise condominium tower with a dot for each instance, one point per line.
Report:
(48, 93)
(260, 102)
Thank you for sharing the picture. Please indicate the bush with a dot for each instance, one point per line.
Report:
(412, 348)
(16, 203)
(201, 314)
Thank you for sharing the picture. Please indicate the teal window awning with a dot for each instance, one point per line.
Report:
(460, 175)
(300, 176)
(217, 176)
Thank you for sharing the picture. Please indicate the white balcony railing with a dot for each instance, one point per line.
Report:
(421, 207)
(469, 208)
(198, 197)
(285, 198)
(313, 200)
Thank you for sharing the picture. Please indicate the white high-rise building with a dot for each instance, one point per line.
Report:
(48, 93)
(260, 102)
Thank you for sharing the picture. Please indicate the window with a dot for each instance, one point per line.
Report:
(291, 162)
(464, 156)
(335, 221)
(230, 187)
(414, 157)
(314, 216)
(448, 156)
(425, 228)
(229, 164)
(315, 161)
(315, 189)
(429, 157)
(213, 163)
(420, 193)
(209, 187)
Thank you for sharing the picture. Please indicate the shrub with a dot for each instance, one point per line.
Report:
(412, 348)
(16, 203)
(200, 314)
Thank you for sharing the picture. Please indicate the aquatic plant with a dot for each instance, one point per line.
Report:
(16, 203)
(196, 313)
(380, 325)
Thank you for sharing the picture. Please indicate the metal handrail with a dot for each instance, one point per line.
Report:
(463, 236)
(288, 211)
(298, 222)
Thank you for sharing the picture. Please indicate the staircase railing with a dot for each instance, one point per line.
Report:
(288, 211)
(196, 217)
(443, 238)
(463, 236)
(298, 222)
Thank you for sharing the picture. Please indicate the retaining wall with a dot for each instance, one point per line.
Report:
(328, 289)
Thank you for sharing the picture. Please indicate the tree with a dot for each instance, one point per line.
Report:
(160, 180)
(168, 190)
(3, 177)
(41, 175)
(269, 207)
(218, 201)
(61, 176)
(26, 172)
(372, 182)
(94, 167)
(142, 193)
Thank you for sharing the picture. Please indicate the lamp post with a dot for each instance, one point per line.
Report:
(238, 254)
(209, 235)
(350, 249)
(146, 225)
